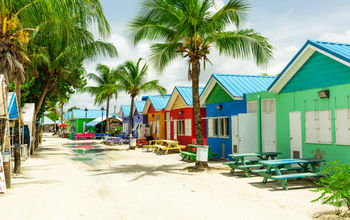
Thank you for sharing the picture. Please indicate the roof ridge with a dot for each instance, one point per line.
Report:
(244, 75)
(330, 42)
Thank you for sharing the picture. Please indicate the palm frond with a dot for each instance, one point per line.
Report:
(163, 54)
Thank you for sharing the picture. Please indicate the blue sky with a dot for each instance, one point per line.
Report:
(287, 23)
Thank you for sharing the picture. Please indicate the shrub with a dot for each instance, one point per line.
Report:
(335, 186)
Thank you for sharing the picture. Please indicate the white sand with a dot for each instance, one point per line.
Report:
(124, 184)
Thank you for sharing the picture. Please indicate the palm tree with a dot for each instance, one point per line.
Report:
(132, 79)
(188, 29)
(106, 87)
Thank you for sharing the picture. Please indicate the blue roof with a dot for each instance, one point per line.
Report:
(339, 50)
(140, 105)
(126, 110)
(91, 113)
(238, 85)
(186, 93)
(159, 102)
(12, 107)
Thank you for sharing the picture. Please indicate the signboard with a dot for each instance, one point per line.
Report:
(2, 176)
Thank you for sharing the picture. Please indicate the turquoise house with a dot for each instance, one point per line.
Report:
(311, 103)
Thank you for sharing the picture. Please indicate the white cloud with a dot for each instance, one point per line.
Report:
(335, 37)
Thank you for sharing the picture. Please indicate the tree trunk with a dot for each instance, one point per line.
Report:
(18, 92)
(130, 122)
(7, 164)
(62, 112)
(17, 169)
(55, 129)
(196, 108)
(107, 118)
(37, 109)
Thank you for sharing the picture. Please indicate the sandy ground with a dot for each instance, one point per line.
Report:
(121, 184)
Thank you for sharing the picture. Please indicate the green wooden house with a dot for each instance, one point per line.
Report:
(306, 111)
(78, 118)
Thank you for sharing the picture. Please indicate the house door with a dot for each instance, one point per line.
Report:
(268, 126)
(158, 130)
(168, 126)
(175, 130)
(296, 147)
(234, 124)
(247, 133)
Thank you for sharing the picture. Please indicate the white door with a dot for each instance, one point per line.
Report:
(268, 126)
(234, 121)
(296, 147)
(248, 133)
(175, 130)
(158, 130)
(168, 126)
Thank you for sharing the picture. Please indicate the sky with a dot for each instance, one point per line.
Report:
(288, 24)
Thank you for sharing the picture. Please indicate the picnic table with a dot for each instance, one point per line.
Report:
(242, 163)
(84, 136)
(153, 143)
(141, 142)
(167, 145)
(308, 167)
(191, 153)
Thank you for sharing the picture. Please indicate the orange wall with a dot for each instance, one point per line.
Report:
(154, 116)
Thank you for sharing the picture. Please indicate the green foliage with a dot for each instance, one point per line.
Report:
(335, 186)
(51, 116)
(132, 79)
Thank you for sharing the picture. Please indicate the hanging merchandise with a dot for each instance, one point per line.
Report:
(2, 176)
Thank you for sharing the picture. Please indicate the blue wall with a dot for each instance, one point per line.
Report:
(228, 109)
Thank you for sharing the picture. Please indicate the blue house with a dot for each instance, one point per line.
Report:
(224, 98)
(140, 120)
(124, 113)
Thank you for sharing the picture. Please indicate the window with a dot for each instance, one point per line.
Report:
(318, 127)
(188, 127)
(180, 127)
(342, 125)
(212, 127)
(252, 107)
(224, 127)
(268, 105)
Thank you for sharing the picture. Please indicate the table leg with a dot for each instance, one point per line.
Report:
(268, 172)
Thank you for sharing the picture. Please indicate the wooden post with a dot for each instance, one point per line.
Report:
(17, 168)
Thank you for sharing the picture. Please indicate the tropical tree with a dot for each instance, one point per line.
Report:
(106, 87)
(132, 80)
(189, 29)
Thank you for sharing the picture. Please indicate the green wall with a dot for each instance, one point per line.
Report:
(218, 95)
(79, 124)
(308, 100)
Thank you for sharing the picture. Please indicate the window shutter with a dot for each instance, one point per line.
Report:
(188, 127)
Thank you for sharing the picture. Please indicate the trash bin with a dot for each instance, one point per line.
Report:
(133, 142)
(202, 153)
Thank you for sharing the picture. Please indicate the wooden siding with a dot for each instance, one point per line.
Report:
(179, 103)
(218, 95)
(319, 71)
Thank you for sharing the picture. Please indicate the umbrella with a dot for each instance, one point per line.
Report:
(62, 125)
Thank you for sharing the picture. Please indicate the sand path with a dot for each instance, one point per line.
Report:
(121, 184)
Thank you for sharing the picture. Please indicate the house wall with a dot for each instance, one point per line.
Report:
(153, 117)
(308, 100)
(187, 114)
(125, 120)
(79, 124)
(139, 118)
(229, 109)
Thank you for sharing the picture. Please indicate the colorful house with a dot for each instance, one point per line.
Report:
(124, 113)
(79, 118)
(224, 98)
(155, 109)
(312, 101)
(140, 120)
(179, 117)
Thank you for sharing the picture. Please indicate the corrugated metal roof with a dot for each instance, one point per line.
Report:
(159, 102)
(91, 113)
(186, 93)
(126, 110)
(140, 105)
(339, 50)
(48, 121)
(98, 120)
(237, 85)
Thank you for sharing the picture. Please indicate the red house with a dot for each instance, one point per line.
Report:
(179, 118)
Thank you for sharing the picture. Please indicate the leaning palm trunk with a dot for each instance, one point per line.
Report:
(130, 122)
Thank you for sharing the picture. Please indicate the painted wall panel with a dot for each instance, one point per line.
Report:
(217, 95)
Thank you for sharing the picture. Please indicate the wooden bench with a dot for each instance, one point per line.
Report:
(282, 169)
(169, 147)
(283, 178)
(191, 156)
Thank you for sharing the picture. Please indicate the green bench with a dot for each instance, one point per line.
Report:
(192, 156)
(282, 169)
(283, 178)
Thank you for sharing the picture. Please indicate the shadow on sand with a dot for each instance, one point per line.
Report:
(141, 170)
